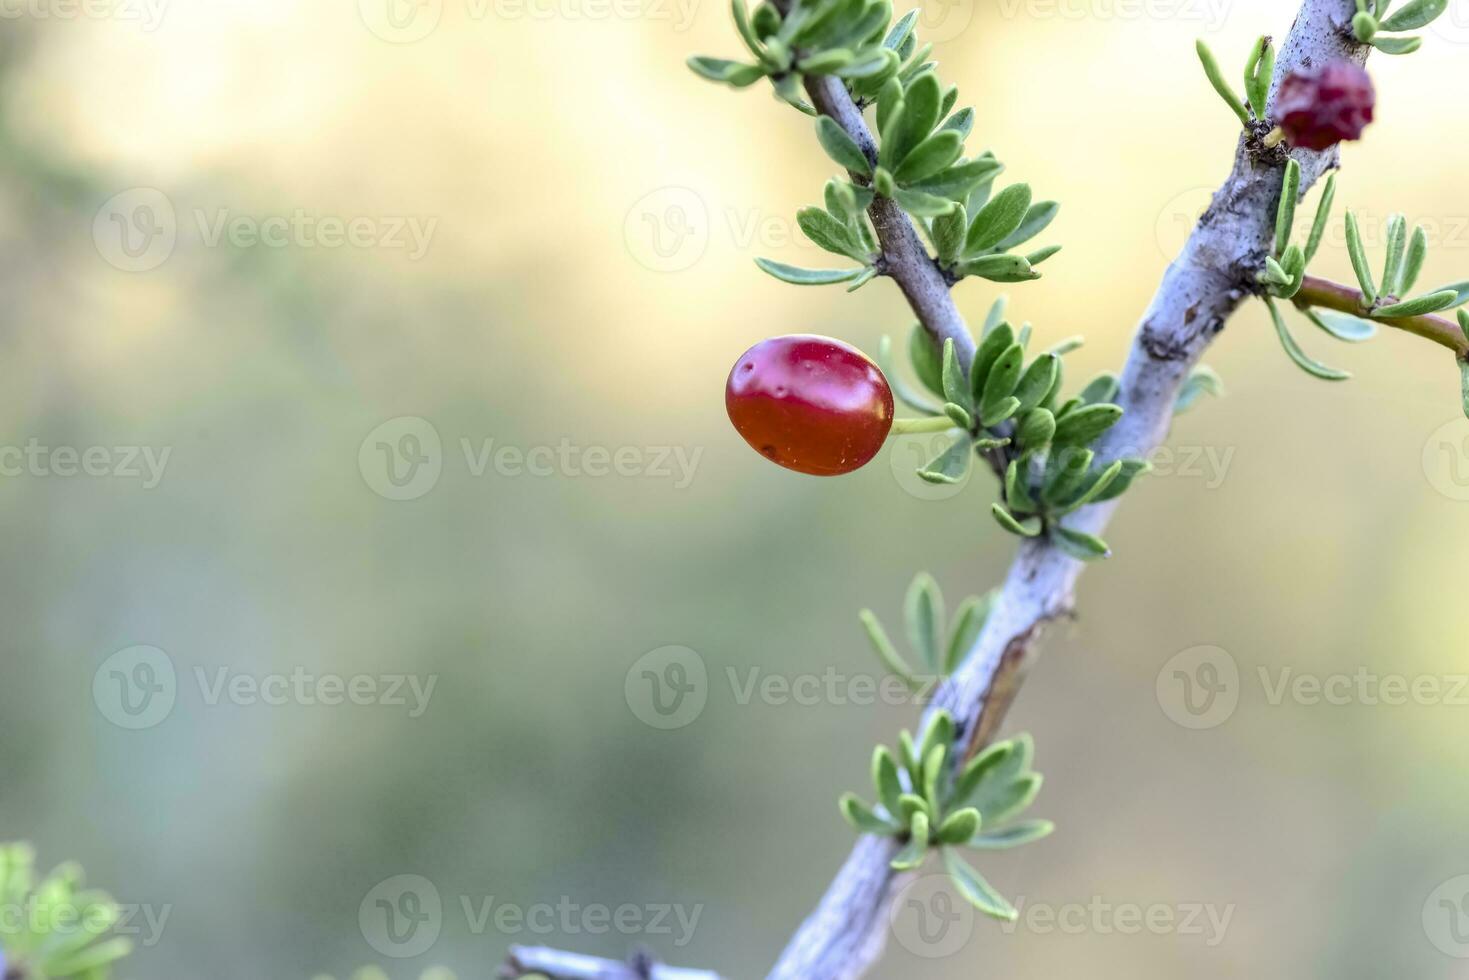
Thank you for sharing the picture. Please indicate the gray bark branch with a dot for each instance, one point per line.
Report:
(1213, 275)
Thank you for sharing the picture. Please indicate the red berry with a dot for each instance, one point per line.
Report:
(1319, 107)
(811, 404)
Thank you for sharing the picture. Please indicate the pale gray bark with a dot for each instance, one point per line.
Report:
(1208, 281)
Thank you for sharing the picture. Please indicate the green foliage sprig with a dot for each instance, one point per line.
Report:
(1284, 277)
(919, 160)
(1011, 412)
(1372, 19)
(939, 646)
(927, 802)
(1259, 70)
(56, 928)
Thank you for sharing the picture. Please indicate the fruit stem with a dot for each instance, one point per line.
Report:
(937, 423)
(1274, 138)
(1345, 299)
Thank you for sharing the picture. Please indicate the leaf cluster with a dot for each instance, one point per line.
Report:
(928, 801)
(58, 928)
(1375, 23)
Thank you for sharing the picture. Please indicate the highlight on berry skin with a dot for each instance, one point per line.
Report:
(810, 404)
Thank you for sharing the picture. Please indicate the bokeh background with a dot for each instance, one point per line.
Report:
(587, 214)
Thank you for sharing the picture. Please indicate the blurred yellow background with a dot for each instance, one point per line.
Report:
(552, 226)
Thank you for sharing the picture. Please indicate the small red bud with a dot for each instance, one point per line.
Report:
(1319, 107)
(811, 404)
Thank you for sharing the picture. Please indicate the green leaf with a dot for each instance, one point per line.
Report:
(994, 342)
(997, 403)
(1216, 79)
(1314, 368)
(1397, 241)
(742, 24)
(955, 390)
(1095, 489)
(1080, 427)
(948, 234)
(1323, 218)
(861, 817)
(1413, 263)
(1024, 832)
(1342, 326)
(889, 102)
(1018, 498)
(995, 759)
(1037, 429)
(959, 416)
(840, 146)
(885, 650)
(1418, 13)
(901, 31)
(899, 385)
(951, 465)
(912, 124)
(999, 219)
(826, 62)
(1396, 45)
(959, 181)
(830, 234)
(923, 612)
(1285, 215)
(960, 826)
(933, 771)
(930, 157)
(926, 360)
(1203, 381)
(1461, 290)
(1037, 381)
(922, 204)
(1429, 303)
(999, 268)
(1080, 545)
(1064, 471)
(913, 853)
(808, 277)
(995, 316)
(1038, 217)
(1360, 265)
(872, 63)
(732, 73)
(911, 803)
(968, 622)
(1101, 389)
(1028, 528)
(885, 780)
(1258, 73)
(960, 122)
(976, 890)
(1131, 470)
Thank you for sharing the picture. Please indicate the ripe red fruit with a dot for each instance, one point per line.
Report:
(811, 404)
(1319, 107)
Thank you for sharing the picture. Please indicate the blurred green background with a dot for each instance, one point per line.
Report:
(588, 213)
